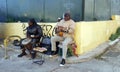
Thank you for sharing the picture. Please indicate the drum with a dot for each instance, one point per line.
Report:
(27, 43)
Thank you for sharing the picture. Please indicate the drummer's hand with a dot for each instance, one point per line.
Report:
(32, 36)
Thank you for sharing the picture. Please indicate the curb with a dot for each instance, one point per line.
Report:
(94, 53)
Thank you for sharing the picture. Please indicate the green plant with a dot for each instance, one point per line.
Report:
(113, 37)
(118, 31)
(116, 35)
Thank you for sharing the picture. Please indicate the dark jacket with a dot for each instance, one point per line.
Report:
(35, 30)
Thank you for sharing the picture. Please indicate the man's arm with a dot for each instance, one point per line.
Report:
(27, 33)
(71, 27)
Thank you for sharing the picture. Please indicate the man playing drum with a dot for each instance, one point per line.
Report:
(34, 33)
(64, 32)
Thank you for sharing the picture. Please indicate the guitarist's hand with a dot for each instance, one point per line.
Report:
(65, 30)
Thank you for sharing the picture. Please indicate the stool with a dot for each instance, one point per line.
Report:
(42, 59)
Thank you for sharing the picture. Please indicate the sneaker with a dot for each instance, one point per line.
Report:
(50, 56)
(53, 52)
(22, 54)
(62, 62)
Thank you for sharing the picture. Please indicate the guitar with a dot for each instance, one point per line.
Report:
(60, 30)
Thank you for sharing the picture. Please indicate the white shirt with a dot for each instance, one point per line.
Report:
(70, 25)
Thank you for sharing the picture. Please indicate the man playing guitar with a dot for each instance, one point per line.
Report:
(64, 32)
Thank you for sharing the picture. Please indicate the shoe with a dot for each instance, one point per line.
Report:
(54, 53)
(62, 62)
(22, 54)
(50, 56)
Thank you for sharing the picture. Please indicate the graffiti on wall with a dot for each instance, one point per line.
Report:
(48, 30)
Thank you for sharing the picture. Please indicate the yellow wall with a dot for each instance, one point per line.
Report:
(88, 35)
(93, 34)
(8, 29)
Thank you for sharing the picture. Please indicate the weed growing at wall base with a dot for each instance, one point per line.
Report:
(116, 35)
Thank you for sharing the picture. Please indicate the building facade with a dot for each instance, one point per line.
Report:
(50, 10)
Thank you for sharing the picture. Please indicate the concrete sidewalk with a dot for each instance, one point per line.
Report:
(108, 62)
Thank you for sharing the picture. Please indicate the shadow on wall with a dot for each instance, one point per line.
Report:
(3, 30)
